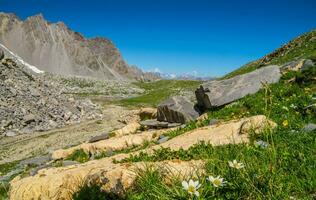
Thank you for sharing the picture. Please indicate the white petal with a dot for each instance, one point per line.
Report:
(185, 185)
(196, 183)
(211, 178)
(191, 183)
(197, 193)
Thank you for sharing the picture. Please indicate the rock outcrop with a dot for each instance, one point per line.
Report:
(111, 144)
(232, 132)
(53, 47)
(60, 183)
(30, 103)
(177, 109)
(220, 92)
(298, 65)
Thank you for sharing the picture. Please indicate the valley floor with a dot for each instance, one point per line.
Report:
(276, 164)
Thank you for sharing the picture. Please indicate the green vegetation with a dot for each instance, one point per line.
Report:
(4, 189)
(156, 92)
(93, 193)
(79, 155)
(301, 47)
(7, 167)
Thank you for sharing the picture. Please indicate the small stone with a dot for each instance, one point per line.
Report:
(10, 133)
(163, 139)
(103, 136)
(309, 127)
(213, 122)
(70, 162)
(29, 118)
(262, 144)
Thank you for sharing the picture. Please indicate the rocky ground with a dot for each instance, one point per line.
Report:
(107, 89)
(30, 103)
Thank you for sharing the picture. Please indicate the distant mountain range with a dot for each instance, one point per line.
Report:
(184, 77)
(53, 47)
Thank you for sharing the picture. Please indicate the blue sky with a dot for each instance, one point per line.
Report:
(206, 37)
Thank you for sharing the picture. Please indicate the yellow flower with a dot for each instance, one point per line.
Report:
(285, 123)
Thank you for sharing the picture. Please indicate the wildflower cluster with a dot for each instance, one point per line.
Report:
(192, 186)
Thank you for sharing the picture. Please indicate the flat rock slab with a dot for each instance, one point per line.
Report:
(103, 136)
(153, 123)
(220, 92)
(60, 183)
(41, 160)
(177, 110)
(111, 144)
(232, 132)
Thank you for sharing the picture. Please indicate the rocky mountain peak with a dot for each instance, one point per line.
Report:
(53, 47)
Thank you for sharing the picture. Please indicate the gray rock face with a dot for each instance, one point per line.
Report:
(177, 110)
(220, 92)
(53, 47)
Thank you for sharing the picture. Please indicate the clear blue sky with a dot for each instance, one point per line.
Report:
(181, 36)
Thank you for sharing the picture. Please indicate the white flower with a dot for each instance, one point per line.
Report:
(191, 187)
(262, 144)
(217, 182)
(235, 164)
(293, 106)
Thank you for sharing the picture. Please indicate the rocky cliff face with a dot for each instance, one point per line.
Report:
(53, 47)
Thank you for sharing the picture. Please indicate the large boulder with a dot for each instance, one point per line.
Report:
(220, 92)
(177, 109)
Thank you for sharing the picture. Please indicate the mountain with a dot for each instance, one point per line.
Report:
(53, 47)
(302, 47)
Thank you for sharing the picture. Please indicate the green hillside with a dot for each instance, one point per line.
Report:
(303, 46)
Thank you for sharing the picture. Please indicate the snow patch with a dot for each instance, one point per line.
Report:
(21, 61)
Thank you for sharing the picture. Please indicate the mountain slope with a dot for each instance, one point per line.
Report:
(53, 47)
(302, 47)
